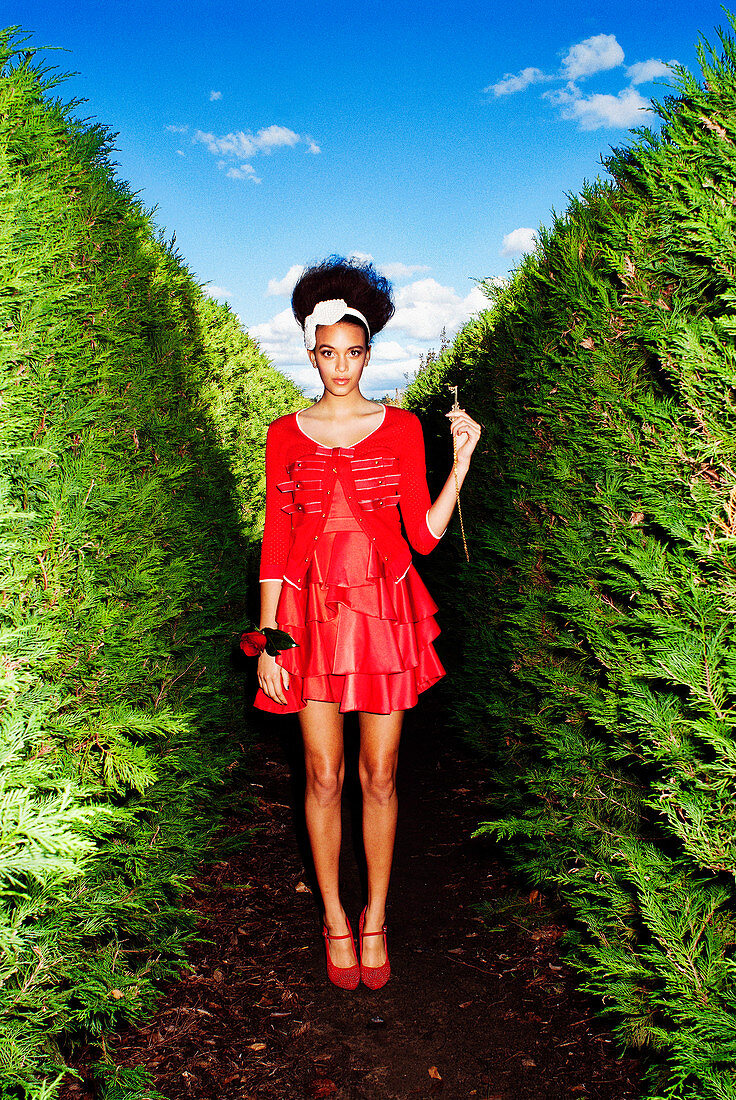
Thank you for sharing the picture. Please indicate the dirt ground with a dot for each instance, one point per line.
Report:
(475, 1007)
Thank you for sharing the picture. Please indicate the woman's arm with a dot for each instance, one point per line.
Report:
(270, 592)
(272, 678)
(425, 522)
(277, 527)
(466, 433)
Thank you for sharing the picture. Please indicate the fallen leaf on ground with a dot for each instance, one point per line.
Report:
(323, 1087)
(302, 888)
(434, 1073)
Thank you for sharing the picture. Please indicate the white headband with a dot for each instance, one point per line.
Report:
(329, 313)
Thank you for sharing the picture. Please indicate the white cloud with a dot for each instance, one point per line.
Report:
(361, 257)
(180, 152)
(594, 55)
(279, 287)
(391, 351)
(594, 111)
(280, 338)
(398, 270)
(518, 241)
(242, 145)
(271, 137)
(380, 378)
(425, 307)
(214, 96)
(177, 129)
(516, 82)
(311, 144)
(242, 172)
(217, 291)
(643, 71)
(597, 54)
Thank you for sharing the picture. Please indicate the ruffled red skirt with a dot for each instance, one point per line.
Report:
(364, 640)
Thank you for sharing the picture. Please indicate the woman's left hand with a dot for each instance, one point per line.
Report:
(466, 433)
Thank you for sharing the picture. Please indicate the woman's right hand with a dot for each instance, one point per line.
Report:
(272, 678)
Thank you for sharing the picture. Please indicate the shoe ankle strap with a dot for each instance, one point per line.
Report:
(378, 933)
(347, 935)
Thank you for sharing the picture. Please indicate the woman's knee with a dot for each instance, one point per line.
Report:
(324, 784)
(378, 781)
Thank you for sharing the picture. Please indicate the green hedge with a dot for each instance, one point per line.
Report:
(599, 609)
(124, 566)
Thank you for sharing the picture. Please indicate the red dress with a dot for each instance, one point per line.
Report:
(365, 640)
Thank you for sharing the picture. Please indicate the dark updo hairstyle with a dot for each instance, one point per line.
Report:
(356, 282)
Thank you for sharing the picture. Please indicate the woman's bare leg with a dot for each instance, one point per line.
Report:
(379, 750)
(324, 760)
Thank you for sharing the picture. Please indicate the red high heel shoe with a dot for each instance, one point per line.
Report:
(346, 977)
(373, 976)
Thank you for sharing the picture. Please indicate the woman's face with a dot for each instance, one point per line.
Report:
(340, 355)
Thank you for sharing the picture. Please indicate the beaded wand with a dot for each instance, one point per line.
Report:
(456, 408)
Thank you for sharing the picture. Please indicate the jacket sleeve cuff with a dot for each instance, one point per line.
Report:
(429, 528)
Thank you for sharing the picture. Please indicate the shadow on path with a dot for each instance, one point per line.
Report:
(473, 1009)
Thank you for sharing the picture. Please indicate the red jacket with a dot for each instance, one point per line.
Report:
(381, 474)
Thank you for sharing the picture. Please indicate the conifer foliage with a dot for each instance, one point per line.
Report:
(600, 603)
(124, 567)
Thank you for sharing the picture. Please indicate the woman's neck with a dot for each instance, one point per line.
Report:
(343, 408)
(343, 426)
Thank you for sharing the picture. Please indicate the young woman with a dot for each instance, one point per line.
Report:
(336, 574)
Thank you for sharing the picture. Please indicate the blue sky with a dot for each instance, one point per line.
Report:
(433, 137)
